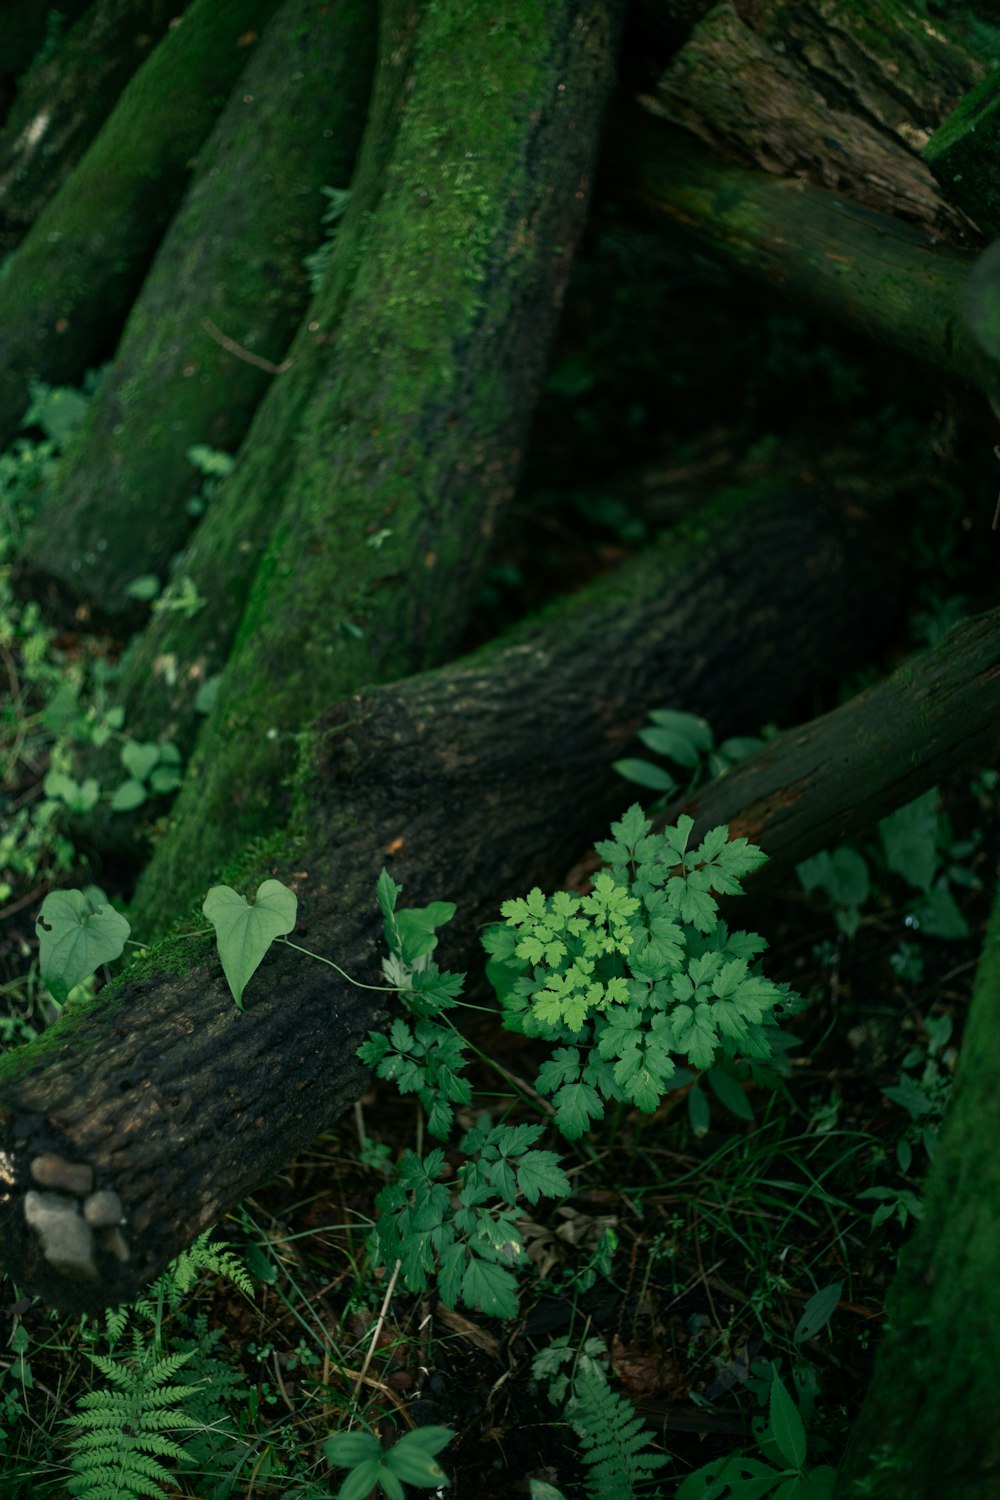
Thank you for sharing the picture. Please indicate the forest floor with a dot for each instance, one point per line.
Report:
(700, 1251)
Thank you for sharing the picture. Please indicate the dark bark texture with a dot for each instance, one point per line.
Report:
(178, 653)
(878, 276)
(832, 779)
(844, 96)
(476, 780)
(408, 456)
(66, 292)
(62, 103)
(232, 265)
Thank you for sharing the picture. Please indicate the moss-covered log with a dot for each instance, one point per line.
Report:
(180, 652)
(216, 313)
(928, 1427)
(28, 31)
(66, 292)
(473, 781)
(876, 275)
(841, 95)
(62, 103)
(832, 779)
(410, 450)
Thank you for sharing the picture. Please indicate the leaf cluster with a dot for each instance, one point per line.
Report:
(410, 1461)
(781, 1471)
(467, 1234)
(637, 974)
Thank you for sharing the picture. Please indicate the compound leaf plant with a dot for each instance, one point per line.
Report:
(623, 983)
(632, 985)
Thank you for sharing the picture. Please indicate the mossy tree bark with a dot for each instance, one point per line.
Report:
(409, 451)
(844, 96)
(62, 103)
(928, 1426)
(178, 653)
(230, 268)
(65, 294)
(26, 29)
(882, 278)
(476, 780)
(832, 779)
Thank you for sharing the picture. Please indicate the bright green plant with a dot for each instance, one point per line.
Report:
(411, 1460)
(123, 1433)
(465, 1233)
(244, 932)
(120, 1432)
(781, 1471)
(77, 932)
(620, 982)
(641, 972)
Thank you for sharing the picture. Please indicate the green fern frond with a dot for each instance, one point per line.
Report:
(120, 1434)
(180, 1277)
(613, 1438)
(115, 1320)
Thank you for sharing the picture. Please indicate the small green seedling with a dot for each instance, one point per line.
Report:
(410, 1461)
(688, 741)
(782, 1472)
(152, 769)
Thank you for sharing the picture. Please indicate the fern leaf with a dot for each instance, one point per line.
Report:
(613, 1439)
(121, 1433)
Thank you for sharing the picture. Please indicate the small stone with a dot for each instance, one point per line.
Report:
(115, 1241)
(67, 1240)
(56, 1172)
(103, 1209)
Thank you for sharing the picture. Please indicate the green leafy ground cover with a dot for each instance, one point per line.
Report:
(714, 1262)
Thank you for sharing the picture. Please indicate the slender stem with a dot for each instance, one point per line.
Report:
(378, 1326)
(387, 989)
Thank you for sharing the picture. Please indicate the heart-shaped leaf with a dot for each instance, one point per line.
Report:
(243, 932)
(75, 937)
(139, 759)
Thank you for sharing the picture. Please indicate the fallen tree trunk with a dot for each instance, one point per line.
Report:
(874, 274)
(62, 103)
(841, 97)
(181, 652)
(928, 1425)
(476, 780)
(66, 292)
(214, 317)
(408, 457)
(832, 779)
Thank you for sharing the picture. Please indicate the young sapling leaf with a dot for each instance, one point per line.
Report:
(244, 932)
(818, 1311)
(130, 795)
(139, 759)
(75, 936)
(786, 1425)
